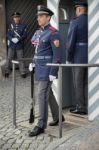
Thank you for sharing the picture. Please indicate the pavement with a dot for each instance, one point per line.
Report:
(85, 137)
(82, 138)
(17, 138)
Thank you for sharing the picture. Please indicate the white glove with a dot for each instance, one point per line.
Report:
(31, 66)
(51, 78)
(67, 62)
(15, 40)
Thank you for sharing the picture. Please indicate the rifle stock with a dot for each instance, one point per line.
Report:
(32, 116)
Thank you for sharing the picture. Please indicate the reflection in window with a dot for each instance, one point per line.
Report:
(63, 14)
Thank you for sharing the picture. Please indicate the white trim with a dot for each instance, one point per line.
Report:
(54, 23)
(55, 9)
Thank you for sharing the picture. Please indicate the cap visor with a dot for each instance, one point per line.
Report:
(42, 13)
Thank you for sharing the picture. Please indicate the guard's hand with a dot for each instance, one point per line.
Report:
(31, 66)
(15, 40)
(51, 78)
(67, 62)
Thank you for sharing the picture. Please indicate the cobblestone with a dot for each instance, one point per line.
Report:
(11, 141)
(7, 146)
(11, 138)
(16, 145)
(84, 138)
(17, 138)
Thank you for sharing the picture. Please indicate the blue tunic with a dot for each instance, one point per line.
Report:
(21, 30)
(77, 40)
(47, 42)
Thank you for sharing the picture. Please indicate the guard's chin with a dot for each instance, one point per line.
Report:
(39, 24)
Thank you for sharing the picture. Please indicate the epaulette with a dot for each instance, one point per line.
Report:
(52, 29)
(74, 18)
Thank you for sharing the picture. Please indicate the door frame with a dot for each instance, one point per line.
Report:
(3, 51)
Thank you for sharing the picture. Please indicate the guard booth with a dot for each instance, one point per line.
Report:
(66, 13)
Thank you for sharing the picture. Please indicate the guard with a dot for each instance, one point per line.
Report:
(47, 50)
(77, 53)
(16, 37)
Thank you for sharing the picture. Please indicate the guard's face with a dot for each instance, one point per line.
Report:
(16, 19)
(77, 11)
(43, 19)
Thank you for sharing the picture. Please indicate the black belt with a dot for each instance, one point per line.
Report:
(42, 57)
(81, 44)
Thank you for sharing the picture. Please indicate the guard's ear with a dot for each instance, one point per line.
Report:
(49, 17)
(79, 9)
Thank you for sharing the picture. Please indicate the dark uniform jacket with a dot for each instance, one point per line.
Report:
(47, 42)
(21, 30)
(77, 40)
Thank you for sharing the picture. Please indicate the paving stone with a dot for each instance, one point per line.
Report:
(17, 132)
(24, 146)
(6, 146)
(9, 134)
(12, 149)
(33, 145)
(27, 141)
(11, 141)
(18, 141)
(31, 149)
(41, 147)
(16, 145)
(2, 143)
(1, 136)
(5, 138)
(41, 137)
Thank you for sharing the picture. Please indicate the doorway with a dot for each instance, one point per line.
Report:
(66, 13)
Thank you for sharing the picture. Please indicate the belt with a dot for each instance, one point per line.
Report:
(81, 44)
(42, 57)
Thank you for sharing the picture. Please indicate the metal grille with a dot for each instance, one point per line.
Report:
(28, 10)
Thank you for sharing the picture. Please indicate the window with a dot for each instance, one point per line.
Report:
(63, 14)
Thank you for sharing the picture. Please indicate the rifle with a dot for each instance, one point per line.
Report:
(32, 116)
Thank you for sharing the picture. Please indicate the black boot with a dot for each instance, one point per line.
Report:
(36, 131)
(55, 122)
(79, 110)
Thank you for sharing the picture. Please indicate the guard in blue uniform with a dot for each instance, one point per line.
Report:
(47, 50)
(16, 36)
(77, 53)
